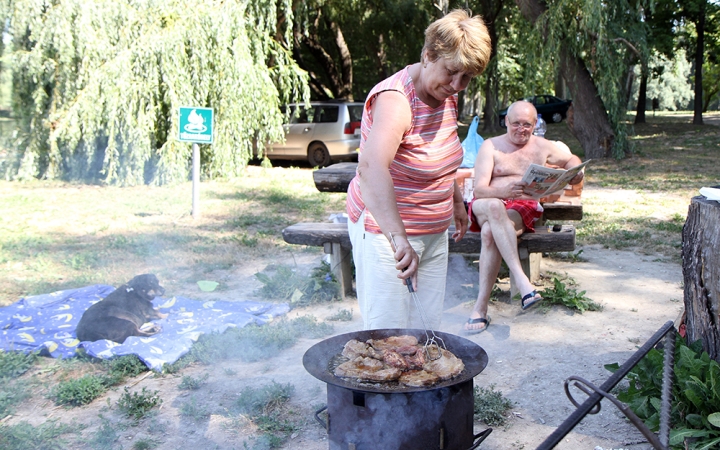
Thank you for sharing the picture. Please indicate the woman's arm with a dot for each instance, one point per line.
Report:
(392, 118)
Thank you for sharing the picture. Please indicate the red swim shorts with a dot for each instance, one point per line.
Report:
(529, 210)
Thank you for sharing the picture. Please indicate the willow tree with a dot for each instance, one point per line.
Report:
(589, 42)
(97, 85)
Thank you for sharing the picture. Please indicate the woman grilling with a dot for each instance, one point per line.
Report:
(404, 195)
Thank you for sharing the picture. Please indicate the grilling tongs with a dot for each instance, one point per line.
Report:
(431, 339)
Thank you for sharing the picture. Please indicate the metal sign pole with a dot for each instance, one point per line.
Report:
(195, 181)
(196, 126)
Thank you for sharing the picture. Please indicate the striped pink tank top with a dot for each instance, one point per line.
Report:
(423, 171)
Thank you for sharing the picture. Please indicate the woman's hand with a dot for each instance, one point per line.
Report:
(460, 214)
(407, 261)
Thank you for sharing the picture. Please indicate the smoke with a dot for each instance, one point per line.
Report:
(462, 280)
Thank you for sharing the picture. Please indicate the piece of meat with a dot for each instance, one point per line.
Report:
(395, 359)
(408, 349)
(418, 378)
(354, 348)
(393, 342)
(367, 369)
(446, 367)
(417, 360)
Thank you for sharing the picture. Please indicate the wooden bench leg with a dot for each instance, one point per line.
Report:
(340, 264)
(530, 263)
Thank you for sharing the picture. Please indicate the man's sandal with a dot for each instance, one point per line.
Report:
(476, 321)
(530, 299)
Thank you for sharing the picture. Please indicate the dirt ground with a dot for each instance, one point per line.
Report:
(530, 355)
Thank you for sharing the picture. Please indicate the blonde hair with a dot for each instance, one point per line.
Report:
(460, 38)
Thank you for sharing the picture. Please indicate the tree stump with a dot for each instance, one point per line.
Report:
(701, 274)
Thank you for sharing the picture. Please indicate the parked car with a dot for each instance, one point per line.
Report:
(323, 133)
(551, 108)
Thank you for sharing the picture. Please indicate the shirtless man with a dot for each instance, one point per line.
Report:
(500, 210)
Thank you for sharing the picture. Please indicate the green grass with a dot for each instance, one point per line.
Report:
(14, 364)
(251, 343)
(49, 435)
(193, 410)
(285, 284)
(266, 408)
(192, 383)
(105, 437)
(57, 236)
(12, 394)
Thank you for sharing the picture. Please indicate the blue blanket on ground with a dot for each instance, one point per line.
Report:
(46, 323)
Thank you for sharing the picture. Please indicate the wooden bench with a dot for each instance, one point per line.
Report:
(334, 238)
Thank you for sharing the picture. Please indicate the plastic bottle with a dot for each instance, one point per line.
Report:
(540, 127)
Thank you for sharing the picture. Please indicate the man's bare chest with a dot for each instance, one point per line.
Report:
(513, 163)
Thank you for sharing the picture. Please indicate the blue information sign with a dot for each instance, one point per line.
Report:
(196, 124)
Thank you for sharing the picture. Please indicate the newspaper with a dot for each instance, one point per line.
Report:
(543, 180)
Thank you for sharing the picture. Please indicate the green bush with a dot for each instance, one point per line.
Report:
(695, 403)
(137, 405)
(491, 406)
(125, 366)
(80, 391)
(560, 294)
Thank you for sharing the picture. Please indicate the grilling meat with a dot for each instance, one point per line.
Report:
(395, 359)
(418, 378)
(398, 358)
(416, 361)
(367, 369)
(404, 342)
(354, 348)
(446, 367)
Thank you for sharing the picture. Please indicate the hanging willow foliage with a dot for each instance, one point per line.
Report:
(97, 85)
(602, 34)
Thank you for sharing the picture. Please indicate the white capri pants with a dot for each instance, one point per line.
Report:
(384, 299)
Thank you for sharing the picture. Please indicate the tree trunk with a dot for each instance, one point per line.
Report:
(490, 111)
(642, 97)
(587, 118)
(346, 82)
(560, 87)
(699, 51)
(590, 123)
(490, 10)
(701, 274)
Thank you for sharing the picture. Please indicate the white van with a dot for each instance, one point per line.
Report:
(323, 133)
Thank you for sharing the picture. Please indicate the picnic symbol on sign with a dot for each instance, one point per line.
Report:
(196, 125)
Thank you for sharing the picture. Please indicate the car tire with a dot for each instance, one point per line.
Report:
(318, 155)
(556, 118)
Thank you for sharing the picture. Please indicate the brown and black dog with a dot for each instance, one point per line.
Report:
(123, 312)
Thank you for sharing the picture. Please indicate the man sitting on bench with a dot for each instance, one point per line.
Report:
(500, 210)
